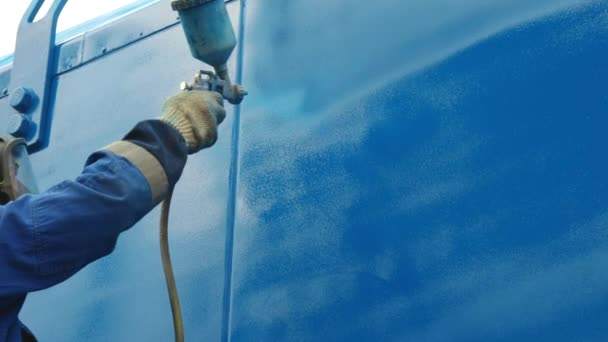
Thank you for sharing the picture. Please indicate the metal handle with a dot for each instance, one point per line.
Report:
(52, 14)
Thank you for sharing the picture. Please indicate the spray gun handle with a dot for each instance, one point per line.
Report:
(209, 81)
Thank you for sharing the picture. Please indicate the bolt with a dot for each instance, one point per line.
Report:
(21, 126)
(22, 99)
(104, 50)
(4, 92)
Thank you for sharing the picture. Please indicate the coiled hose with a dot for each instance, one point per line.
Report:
(176, 310)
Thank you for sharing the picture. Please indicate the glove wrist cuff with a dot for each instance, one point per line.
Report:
(181, 125)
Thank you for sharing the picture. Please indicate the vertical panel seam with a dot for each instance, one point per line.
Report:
(233, 177)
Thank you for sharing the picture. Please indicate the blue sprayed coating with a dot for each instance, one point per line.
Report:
(438, 174)
(423, 171)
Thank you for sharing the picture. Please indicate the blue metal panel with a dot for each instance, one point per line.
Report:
(404, 170)
(39, 60)
(423, 171)
(96, 43)
(123, 297)
(90, 25)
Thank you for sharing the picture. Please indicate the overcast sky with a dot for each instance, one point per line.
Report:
(74, 13)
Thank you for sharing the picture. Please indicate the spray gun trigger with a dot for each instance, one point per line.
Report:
(210, 74)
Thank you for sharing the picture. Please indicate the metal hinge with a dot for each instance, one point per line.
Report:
(27, 111)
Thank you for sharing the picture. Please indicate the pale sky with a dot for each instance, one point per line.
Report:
(74, 13)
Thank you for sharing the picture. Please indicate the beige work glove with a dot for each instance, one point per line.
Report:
(196, 115)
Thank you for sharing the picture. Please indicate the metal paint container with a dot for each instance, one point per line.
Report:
(208, 30)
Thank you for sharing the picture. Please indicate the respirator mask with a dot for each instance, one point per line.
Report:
(16, 176)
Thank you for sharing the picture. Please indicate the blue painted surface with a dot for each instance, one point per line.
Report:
(123, 297)
(89, 25)
(32, 72)
(401, 171)
(423, 171)
(33, 67)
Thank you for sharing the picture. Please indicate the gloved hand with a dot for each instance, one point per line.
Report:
(196, 115)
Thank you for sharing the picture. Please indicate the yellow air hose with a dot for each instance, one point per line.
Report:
(176, 310)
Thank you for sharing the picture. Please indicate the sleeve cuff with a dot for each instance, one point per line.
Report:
(156, 149)
(165, 143)
(147, 164)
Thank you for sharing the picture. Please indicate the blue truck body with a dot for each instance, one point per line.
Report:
(401, 171)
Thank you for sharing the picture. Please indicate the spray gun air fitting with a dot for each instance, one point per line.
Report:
(211, 40)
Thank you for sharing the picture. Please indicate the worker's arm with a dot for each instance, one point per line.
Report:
(46, 238)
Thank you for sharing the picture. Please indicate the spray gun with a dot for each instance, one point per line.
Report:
(211, 39)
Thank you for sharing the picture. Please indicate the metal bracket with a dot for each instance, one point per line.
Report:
(27, 111)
